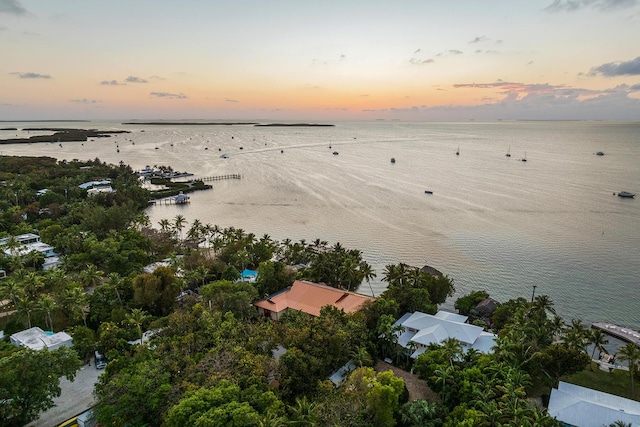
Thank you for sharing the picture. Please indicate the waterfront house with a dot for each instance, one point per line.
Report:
(580, 406)
(309, 298)
(418, 330)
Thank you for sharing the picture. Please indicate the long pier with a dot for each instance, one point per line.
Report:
(617, 331)
(220, 177)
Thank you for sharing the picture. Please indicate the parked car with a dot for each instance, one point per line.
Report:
(101, 361)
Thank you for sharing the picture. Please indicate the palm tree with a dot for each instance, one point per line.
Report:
(543, 304)
(196, 230)
(178, 223)
(270, 419)
(91, 276)
(304, 413)
(11, 289)
(630, 353)
(452, 348)
(47, 305)
(55, 278)
(33, 282)
(114, 281)
(25, 307)
(13, 245)
(74, 301)
(443, 373)
(361, 357)
(137, 318)
(243, 258)
(598, 339)
(576, 335)
(165, 225)
(367, 274)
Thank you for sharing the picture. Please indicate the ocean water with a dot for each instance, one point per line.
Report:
(493, 222)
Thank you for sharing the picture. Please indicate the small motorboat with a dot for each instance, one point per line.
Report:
(600, 153)
(626, 195)
(335, 153)
(428, 192)
(393, 160)
(224, 156)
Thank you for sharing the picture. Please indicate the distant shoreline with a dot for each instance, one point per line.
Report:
(62, 135)
(190, 123)
(45, 121)
(294, 125)
(228, 124)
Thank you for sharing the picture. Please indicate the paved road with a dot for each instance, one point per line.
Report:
(76, 397)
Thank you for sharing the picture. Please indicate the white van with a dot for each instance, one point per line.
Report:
(101, 361)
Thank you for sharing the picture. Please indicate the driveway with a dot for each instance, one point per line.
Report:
(76, 397)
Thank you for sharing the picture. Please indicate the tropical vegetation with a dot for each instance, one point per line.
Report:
(186, 347)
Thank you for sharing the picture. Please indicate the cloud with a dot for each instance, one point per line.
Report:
(157, 77)
(602, 5)
(231, 100)
(479, 39)
(169, 95)
(85, 101)
(31, 75)
(133, 79)
(110, 83)
(12, 7)
(416, 51)
(621, 68)
(513, 100)
(416, 61)
(450, 52)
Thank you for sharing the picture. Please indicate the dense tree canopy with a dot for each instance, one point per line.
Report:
(29, 380)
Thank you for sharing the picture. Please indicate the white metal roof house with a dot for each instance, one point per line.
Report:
(580, 406)
(423, 329)
(37, 339)
(31, 242)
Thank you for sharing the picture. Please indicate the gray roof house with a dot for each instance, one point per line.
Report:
(423, 329)
(580, 406)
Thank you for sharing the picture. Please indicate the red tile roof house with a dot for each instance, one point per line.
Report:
(309, 298)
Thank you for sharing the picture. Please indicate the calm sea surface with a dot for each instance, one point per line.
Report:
(492, 222)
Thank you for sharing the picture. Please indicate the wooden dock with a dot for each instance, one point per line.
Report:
(220, 177)
(620, 332)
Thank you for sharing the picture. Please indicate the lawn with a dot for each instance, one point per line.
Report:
(617, 383)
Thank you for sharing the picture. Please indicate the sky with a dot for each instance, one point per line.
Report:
(312, 60)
